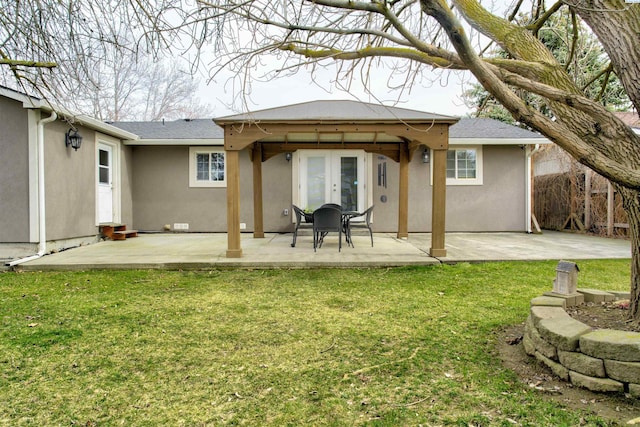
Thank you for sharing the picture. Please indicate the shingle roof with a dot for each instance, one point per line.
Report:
(333, 111)
(489, 128)
(177, 129)
(325, 110)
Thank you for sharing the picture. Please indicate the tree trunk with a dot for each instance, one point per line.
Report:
(631, 204)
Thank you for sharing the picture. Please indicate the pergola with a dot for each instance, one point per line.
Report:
(396, 133)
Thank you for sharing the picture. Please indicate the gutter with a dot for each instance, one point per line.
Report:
(42, 231)
(528, 195)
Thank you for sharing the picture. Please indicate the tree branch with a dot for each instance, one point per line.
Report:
(535, 26)
(556, 131)
(369, 52)
(29, 64)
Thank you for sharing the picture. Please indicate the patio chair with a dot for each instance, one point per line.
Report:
(303, 220)
(326, 220)
(332, 205)
(366, 224)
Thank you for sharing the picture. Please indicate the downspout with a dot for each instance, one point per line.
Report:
(528, 195)
(42, 231)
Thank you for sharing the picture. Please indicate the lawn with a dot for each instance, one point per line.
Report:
(388, 347)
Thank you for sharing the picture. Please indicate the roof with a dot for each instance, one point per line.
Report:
(344, 111)
(177, 129)
(489, 128)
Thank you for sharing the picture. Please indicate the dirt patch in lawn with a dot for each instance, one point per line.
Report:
(619, 409)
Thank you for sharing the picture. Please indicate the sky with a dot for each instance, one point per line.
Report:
(440, 94)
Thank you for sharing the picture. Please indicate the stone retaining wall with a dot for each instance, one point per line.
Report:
(602, 360)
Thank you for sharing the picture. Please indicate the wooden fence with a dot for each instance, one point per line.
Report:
(579, 201)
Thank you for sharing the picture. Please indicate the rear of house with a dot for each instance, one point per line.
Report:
(159, 176)
(50, 193)
(179, 181)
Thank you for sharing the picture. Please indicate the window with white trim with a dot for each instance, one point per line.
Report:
(207, 167)
(464, 166)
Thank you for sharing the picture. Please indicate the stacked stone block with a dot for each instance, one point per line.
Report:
(600, 360)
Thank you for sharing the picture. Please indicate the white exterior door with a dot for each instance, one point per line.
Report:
(332, 177)
(105, 183)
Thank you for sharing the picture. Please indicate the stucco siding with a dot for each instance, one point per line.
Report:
(70, 184)
(498, 204)
(161, 193)
(162, 196)
(14, 168)
(126, 182)
(277, 194)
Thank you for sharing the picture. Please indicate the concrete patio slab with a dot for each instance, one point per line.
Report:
(208, 250)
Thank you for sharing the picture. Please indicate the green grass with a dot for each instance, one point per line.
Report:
(381, 347)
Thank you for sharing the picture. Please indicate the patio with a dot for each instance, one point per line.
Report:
(204, 250)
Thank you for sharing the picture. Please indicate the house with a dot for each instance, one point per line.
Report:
(202, 175)
(53, 197)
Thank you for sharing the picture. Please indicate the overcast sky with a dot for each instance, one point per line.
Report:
(441, 96)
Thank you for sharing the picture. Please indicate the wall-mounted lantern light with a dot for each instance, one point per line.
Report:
(425, 155)
(71, 138)
(287, 156)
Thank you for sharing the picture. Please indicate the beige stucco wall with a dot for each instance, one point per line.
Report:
(70, 181)
(162, 195)
(14, 167)
(497, 205)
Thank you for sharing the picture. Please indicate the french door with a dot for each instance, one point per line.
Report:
(332, 176)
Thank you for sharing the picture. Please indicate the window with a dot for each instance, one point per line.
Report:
(464, 166)
(207, 167)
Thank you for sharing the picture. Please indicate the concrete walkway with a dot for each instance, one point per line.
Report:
(204, 250)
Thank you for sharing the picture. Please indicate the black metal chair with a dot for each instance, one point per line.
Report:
(366, 224)
(303, 220)
(332, 205)
(326, 220)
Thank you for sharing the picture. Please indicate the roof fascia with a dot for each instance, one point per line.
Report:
(423, 122)
(183, 142)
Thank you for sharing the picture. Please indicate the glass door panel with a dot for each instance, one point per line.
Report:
(349, 183)
(316, 181)
(332, 177)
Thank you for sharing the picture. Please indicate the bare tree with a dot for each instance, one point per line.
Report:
(83, 58)
(410, 37)
(136, 89)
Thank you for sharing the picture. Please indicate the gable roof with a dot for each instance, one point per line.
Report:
(327, 111)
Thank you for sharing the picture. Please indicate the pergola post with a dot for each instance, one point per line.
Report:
(438, 203)
(403, 193)
(258, 223)
(234, 249)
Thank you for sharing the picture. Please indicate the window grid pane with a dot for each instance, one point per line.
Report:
(451, 164)
(202, 166)
(217, 166)
(461, 164)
